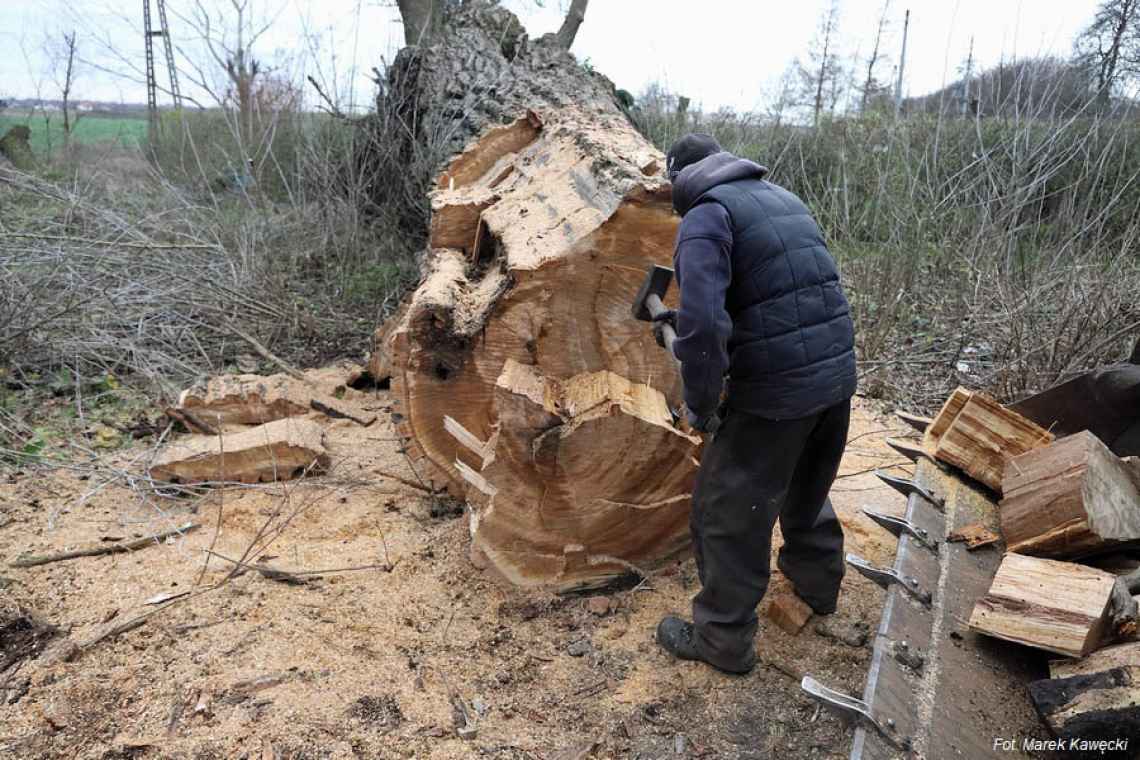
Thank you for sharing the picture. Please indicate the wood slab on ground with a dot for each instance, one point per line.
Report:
(1060, 607)
(789, 612)
(277, 450)
(256, 399)
(1069, 499)
(977, 435)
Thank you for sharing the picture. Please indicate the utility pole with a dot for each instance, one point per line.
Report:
(149, 32)
(902, 65)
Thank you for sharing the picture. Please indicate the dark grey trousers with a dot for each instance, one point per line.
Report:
(754, 472)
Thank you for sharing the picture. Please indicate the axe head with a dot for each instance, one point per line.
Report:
(656, 282)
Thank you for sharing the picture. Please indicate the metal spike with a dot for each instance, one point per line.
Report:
(906, 487)
(909, 448)
(898, 526)
(916, 421)
(887, 577)
(853, 709)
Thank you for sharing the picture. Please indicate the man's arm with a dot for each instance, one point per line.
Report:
(704, 270)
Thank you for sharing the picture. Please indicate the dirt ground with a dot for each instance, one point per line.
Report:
(375, 662)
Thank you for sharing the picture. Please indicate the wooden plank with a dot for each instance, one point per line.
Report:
(1069, 499)
(983, 435)
(1060, 607)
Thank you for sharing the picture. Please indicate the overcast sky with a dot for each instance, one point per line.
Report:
(718, 52)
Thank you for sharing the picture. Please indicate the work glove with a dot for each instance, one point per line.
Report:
(668, 317)
(708, 423)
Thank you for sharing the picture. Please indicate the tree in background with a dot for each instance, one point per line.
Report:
(872, 87)
(822, 74)
(229, 36)
(63, 64)
(1109, 47)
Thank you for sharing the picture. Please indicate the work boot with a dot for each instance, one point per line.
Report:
(676, 637)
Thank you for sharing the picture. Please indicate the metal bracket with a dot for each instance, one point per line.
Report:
(886, 578)
(898, 526)
(853, 709)
(906, 487)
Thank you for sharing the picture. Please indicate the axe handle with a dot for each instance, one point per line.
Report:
(655, 307)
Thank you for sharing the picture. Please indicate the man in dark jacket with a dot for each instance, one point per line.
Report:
(761, 304)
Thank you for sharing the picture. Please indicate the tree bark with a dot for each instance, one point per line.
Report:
(521, 380)
(421, 20)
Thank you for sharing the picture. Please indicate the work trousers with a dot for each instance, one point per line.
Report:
(753, 472)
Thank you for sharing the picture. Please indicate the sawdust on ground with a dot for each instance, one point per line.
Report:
(375, 663)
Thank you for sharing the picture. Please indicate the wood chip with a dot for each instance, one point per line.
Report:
(974, 536)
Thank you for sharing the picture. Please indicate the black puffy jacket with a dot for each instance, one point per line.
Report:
(761, 300)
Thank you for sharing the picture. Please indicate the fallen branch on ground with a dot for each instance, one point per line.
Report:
(95, 551)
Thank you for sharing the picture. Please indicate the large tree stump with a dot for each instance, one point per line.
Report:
(521, 379)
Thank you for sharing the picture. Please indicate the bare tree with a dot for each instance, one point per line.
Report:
(229, 36)
(871, 84)
(782, 97)
(1109, 47)
(822, 72)
(69, 48)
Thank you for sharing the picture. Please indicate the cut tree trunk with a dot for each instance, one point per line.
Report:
(1060, 607)
(977, 435)
(520, 378)
(1069, 499)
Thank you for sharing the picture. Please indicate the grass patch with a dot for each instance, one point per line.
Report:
(92, 129)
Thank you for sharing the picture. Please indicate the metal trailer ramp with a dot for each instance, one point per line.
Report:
(936, 690)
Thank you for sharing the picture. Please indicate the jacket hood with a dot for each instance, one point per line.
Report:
(717, 169)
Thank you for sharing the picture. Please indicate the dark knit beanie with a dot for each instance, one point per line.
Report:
(688, 150)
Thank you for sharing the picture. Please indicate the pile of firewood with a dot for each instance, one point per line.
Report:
(1066, 505)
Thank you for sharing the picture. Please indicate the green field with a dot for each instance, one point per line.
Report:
(47, 134)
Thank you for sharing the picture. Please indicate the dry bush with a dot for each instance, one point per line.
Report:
(128, 274)
(998, 253)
